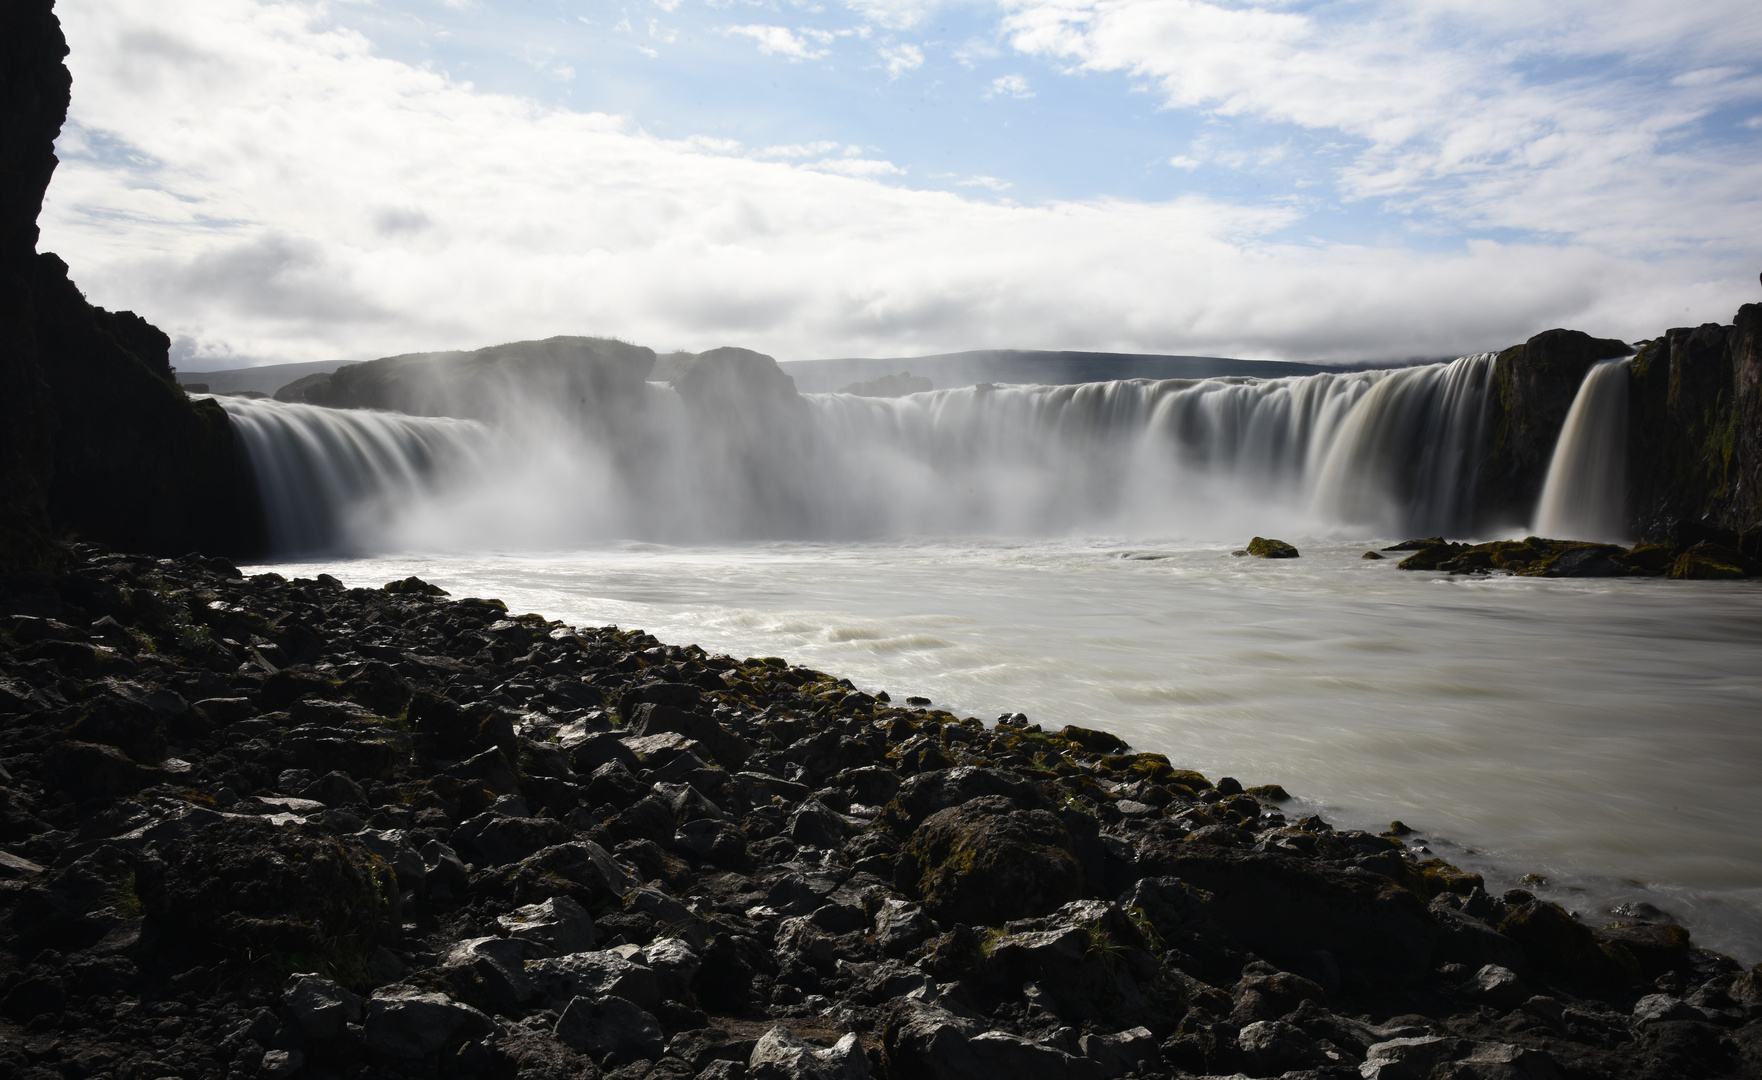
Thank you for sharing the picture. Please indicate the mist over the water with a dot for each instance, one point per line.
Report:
(1379, 452)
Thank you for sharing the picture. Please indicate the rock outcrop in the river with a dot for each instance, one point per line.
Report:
(1533, 387)
(96, 438)
(259, 827)
(1688, 551)
(1694, 430)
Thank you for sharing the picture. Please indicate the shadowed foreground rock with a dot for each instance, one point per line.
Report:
(252, 827)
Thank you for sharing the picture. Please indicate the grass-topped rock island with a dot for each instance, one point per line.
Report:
(261, 827)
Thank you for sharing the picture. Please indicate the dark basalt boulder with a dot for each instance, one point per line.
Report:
(986, 862)
(1286, 909)
(939, 789)
(237, 889)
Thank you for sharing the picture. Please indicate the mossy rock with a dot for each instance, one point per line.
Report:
(1700, 566)
(1101, 742)
(1435, 876)
(251, 893)
(1559, 943)
(1153, 767)
(1656, 948)
(1262, 548)
(1429, 558)
(415, 586)
(985, 862)
(1651, 558)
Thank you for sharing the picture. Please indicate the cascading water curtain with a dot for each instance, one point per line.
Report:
(1585, 494)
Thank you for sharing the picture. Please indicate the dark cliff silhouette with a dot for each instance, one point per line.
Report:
(96, 439)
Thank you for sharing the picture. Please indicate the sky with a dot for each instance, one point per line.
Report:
(274, 182)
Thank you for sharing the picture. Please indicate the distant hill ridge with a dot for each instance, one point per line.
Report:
(290, 382)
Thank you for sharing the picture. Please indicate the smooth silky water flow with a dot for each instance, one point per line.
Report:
(1601, 733)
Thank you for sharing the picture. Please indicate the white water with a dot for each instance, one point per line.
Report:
(330, 473)
(1585, 494)
(1389, 451)
(1600, 732)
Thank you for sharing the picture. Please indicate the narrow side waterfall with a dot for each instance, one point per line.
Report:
(1390, 452)
(1585, 494)
(327, 475)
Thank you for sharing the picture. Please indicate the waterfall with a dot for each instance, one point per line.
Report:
(1585, 494)
(327, 474)
(1388, 452)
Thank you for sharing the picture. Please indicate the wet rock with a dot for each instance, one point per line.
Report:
(1500, 1061)
(986, 862)
(319, 1007)
(1274, 1047)
(406, 1023)
(932, 1042)
(1132, 1050)
(1262, 548)
(1557, 942)
(595, 975)
(675, 966)
(379, 687)
(814, 825)
(1659, 1008)
(278, 1064)
(1655, 948)
(1498, 986)
(900, 926)
(1411, 1058)
(489, 768)
(651, 718)
(491, 839)
(559, 924)
(1287, 909)
(928, 792)
(335, 789)
(780, 1055)
(610, 1025)
(714, 841)
(92, 770)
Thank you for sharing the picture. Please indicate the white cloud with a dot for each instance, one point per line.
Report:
(901, 59)
(852, 166)
(797, 150)
(974, 50)
(265, 188)
(1500, 114)
(990, 182)
(1182, 161)
(893, 14)
(1015, 86)
(781, 41)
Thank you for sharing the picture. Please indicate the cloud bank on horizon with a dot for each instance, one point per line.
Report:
(282, 180)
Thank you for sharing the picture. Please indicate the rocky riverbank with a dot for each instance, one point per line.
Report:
(260, 827)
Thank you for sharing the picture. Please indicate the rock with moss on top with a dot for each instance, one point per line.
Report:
(1262, 548)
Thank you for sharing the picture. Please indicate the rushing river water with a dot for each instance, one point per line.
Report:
(1605, 734)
